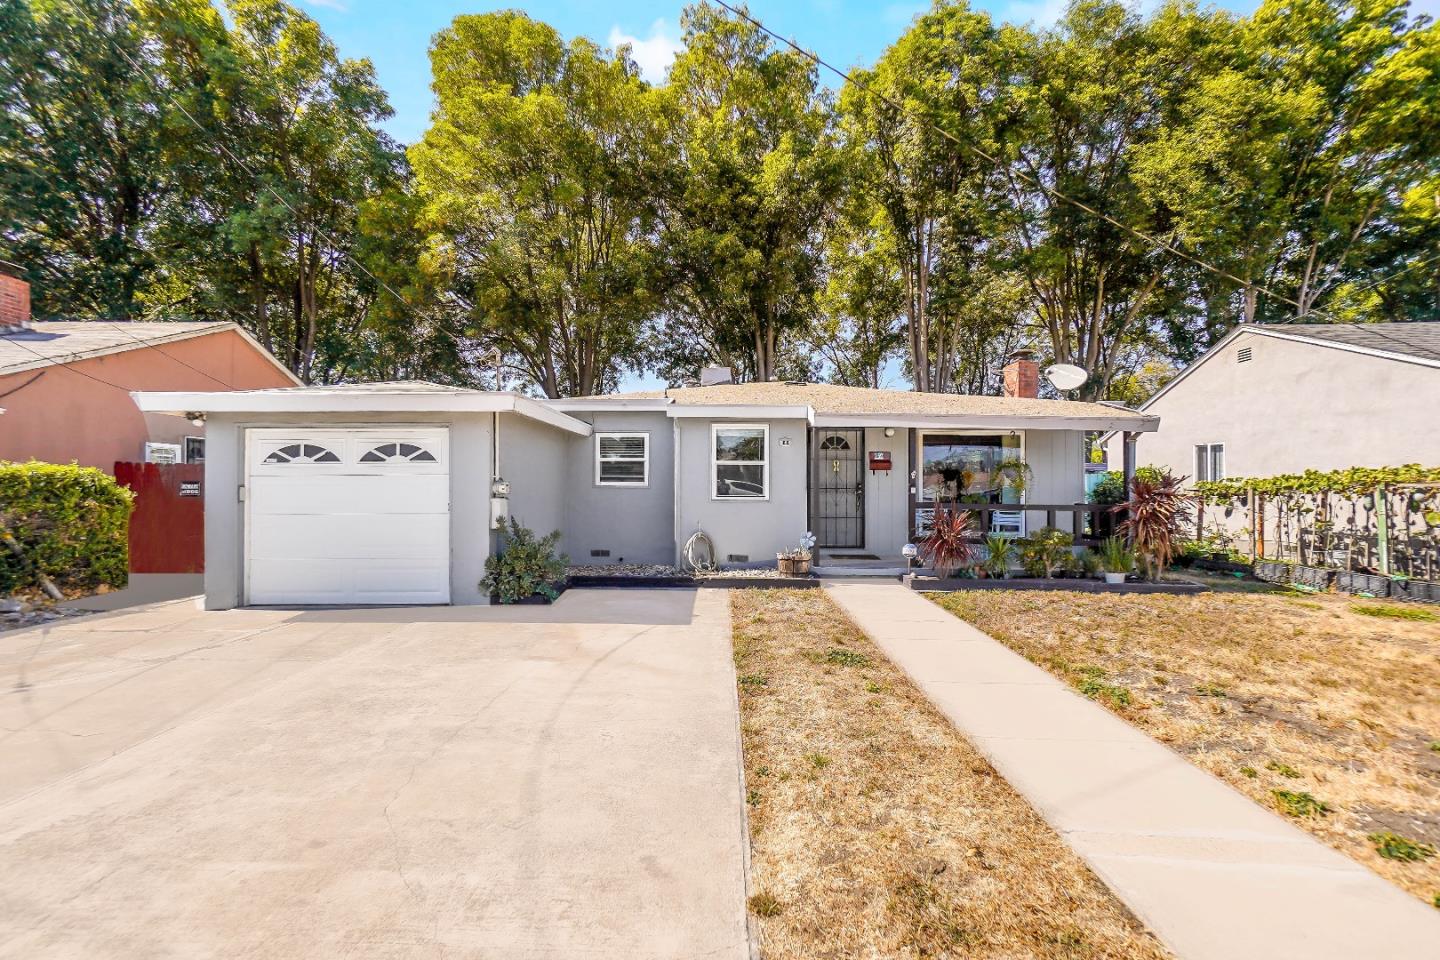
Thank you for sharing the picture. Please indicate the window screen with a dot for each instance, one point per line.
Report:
(622, 459)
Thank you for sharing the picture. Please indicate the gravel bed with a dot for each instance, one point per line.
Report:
(623, 570)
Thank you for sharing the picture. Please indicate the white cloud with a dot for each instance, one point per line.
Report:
(652, 54)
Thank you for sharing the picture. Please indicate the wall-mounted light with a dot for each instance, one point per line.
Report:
(196, 419)
(889, 431)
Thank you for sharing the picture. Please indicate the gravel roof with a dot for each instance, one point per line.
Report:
(831, 399)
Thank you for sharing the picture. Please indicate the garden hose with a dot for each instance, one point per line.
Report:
(698, 544)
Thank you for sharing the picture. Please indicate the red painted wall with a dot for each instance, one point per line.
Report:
(167, 529)
(63, 415)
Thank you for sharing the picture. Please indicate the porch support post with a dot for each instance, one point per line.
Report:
(1128, 465)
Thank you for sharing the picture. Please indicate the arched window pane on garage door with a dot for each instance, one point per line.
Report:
(302, 453)
(398, 452)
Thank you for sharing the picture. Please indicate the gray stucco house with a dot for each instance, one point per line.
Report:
(382, 493)
(1273, 399)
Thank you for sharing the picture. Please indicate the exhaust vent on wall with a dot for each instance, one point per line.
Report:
(1242, 355)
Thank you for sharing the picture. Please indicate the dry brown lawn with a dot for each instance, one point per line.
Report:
(1287, 698)
(876, 829)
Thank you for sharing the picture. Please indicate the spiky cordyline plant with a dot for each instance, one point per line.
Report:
(1153, 516)
(948, 546)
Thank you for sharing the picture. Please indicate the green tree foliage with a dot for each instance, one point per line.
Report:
(951, 72)
(276, 179)
(1290, 164)
(81, 171)
(749, 180)
(534, 175)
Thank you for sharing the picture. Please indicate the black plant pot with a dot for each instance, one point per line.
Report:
(1424, 591)
(1272, 571)
(1317, 578)
(1350, 581)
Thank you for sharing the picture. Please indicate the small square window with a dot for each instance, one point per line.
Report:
(622, 459)
(740, 467)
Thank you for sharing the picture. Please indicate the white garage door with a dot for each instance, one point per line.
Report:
(348, 516)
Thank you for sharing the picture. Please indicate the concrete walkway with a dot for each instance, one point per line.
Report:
(1214, 875)
(406, 784)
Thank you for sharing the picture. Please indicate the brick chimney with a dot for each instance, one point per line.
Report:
(1022, 375)
(14, 299)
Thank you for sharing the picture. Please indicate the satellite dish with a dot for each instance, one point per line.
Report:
(1066, 376)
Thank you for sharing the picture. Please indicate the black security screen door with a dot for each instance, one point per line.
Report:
(837, 487)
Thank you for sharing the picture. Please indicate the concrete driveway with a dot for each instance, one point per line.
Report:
(432, 782)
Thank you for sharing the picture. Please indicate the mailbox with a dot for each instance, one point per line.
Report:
(879, 460)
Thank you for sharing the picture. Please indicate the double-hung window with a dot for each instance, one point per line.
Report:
(739, 466)
(1209, 462)
(622, 459)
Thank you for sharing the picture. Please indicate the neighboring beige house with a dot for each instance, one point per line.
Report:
(1283, 398)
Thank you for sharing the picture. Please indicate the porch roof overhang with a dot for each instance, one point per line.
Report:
(322, 400)
(983, 422)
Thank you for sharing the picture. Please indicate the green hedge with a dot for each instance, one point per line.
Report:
(73, 523)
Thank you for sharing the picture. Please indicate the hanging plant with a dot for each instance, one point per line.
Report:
(1016, 474)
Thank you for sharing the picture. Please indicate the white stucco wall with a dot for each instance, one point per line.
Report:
(1294, 406)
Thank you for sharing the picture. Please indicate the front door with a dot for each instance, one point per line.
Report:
(837, 487)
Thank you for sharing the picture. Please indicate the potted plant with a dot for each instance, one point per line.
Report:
(999, 550)
(1117, 559)
(795, 562)
(527, 569)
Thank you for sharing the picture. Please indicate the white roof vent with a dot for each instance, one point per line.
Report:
(714, 376)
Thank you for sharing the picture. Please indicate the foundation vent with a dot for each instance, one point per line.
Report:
(599, 553)
(738, 558)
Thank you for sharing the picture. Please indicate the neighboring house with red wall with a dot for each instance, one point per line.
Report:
(65, 386)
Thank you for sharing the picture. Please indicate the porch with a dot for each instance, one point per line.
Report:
(872, 489)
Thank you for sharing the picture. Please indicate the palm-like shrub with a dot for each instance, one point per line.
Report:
(1153, 517)
(948, 546)
(999, 551)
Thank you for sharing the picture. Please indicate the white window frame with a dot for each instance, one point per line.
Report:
(1209, 456)
(920, 455)
(644, 459)
(184, 449)
(764, 463)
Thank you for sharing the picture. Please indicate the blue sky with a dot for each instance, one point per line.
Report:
(396, 36)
